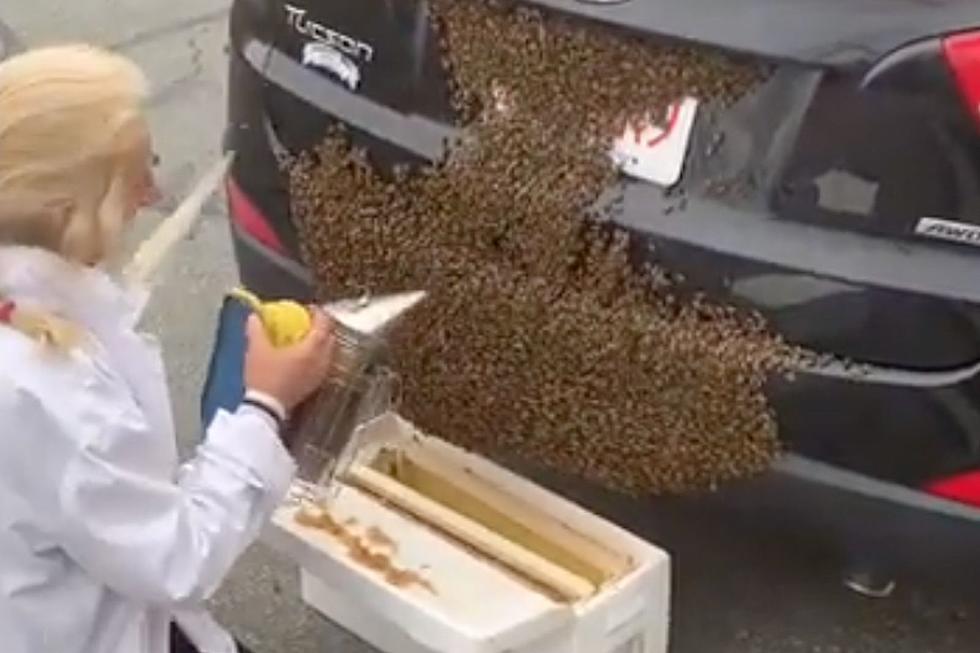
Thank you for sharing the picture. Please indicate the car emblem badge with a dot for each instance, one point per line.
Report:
(321, 55)
(950, 230)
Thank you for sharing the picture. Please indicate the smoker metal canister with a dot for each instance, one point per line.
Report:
(358, 387)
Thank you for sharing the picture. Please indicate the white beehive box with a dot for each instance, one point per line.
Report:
(499, 564)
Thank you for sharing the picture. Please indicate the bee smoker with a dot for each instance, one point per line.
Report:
(322, 436)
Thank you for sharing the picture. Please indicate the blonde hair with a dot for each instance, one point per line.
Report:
(71, 123)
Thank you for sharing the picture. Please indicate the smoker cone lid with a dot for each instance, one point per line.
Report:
(373, 315)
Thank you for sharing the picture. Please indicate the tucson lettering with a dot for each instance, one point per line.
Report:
(298, 20)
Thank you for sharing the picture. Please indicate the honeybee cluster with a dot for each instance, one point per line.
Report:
(540, 338)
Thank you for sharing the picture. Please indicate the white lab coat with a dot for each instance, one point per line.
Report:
(103, 541)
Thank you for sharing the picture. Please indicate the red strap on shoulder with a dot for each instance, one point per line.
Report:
(7, 311)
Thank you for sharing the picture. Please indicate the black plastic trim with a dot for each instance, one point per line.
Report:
(823, 474)
(427, 138)
(835, 254)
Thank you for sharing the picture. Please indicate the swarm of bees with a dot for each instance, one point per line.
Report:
(540, 337)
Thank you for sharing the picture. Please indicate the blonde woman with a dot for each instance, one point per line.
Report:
(104, 544)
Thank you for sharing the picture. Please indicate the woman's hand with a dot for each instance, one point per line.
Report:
(289, 374)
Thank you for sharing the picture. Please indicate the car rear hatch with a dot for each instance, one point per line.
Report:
(809, 199)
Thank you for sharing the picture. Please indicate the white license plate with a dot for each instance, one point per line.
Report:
(656, 152)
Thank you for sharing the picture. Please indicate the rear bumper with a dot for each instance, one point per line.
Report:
(869, 523)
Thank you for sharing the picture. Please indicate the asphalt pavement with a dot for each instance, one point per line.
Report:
(749, 578)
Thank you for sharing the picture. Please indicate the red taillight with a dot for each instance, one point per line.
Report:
(248, 216)
(963, 54)
(964, 488)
